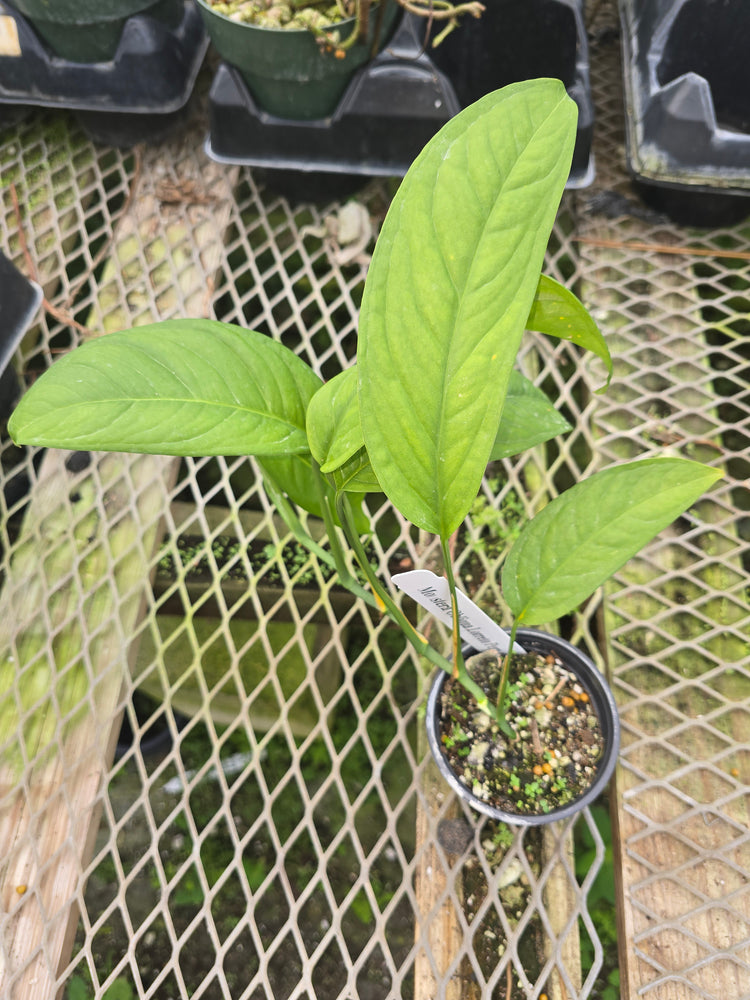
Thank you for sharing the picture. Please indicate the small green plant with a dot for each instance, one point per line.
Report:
(495, 529)
(79, 989)
(321, 16)
(453, 284)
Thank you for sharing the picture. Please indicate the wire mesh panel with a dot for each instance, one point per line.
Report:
(675, 304)
(244, 808)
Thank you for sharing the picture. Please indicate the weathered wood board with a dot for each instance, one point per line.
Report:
(74, 592)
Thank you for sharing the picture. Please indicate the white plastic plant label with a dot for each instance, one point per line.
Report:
(475, 626)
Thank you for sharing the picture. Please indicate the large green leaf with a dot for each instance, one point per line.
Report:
(294, 475)
(181, 387)
(585, 535)
(333, 426)
(448, 293)
(557, 312)
(356, 475)
(335, 435)
(528, 419)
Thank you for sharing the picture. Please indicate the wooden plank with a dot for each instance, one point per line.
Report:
(561, 903)
(439, 934)
(438, 883)
(74, 593)
(67, 647)
(560, 895)
(440, 887)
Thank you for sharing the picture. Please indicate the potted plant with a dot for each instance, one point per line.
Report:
(453, 284)
(89, 30)
(126, 68)
(298, 57)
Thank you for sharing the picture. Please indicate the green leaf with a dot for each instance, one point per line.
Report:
(335, 435)
(585, 535)
(557, 312)
(295, 476)
(356, 475)
(121, 988)
(181, 387)
(333, 426)
(448, 293)
(528, 419)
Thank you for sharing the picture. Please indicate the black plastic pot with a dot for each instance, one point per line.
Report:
(19, 301)
(688, 106)
(601, 700)
(128, 98)
(156, 733)
(89, 30)
(397, 102)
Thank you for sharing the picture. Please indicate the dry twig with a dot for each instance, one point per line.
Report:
(59, 314)
(62, 313)
(662, 248)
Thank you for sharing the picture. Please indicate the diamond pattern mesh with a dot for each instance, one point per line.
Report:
(214, 781)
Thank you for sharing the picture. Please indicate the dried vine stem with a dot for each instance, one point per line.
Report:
(59, 314)
(662, 248)
(442, 10)
(62, 313)
(432, 10)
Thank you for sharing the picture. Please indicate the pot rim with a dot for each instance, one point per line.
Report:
(602, 700)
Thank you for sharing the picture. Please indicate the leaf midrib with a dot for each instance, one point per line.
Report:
(461, 296)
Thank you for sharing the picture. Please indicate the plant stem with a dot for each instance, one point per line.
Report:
(334, 559)
(502, 691)
(346, 518)
(380, 597)
(458, 656)
(456, 669)
(345, 575)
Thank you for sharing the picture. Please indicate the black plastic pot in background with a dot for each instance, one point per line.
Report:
(515, 41)
(19, 301)
(601, 700)
(138, 94)
(90, 30)
(156, 727)
(687, 90)
(397, 102)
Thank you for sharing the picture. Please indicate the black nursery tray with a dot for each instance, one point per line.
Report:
(398, 102)
(19, 301)
(152, 73)
(687, 89)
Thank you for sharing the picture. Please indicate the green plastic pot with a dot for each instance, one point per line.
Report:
(286, 71)
(89, 31)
